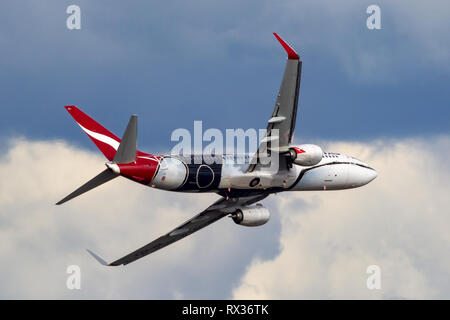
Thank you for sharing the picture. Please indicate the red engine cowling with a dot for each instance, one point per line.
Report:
(306, 154)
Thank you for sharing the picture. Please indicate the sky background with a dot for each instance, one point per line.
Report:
(379, 95)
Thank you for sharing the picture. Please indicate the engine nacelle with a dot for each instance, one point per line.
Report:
(251, 216)
(306, 154)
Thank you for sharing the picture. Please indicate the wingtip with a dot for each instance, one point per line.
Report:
(99, 259)
(291, 52)
(69, 108)
(60, 202)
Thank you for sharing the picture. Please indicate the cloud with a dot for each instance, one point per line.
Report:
(317, 245)
(39, 240)
(398, 222)
(412, 33)
(221, 54)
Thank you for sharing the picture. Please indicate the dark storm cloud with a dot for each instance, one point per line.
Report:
(218, 62)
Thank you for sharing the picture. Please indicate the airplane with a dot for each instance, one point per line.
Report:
(240, 184)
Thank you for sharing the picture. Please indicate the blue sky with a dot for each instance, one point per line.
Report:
(173, 63)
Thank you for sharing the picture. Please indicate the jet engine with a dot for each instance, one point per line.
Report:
(251, 216)
(306, 154)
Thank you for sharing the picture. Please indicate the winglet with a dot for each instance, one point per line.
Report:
(96, 257)
(291, 53)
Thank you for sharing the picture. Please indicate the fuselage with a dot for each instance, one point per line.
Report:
(226, 174)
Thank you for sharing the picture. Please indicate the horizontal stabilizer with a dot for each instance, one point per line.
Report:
(96, 257)
(98, 180)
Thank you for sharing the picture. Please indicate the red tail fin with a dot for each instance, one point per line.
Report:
(106, 141)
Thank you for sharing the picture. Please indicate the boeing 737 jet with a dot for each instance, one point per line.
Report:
(240, 184)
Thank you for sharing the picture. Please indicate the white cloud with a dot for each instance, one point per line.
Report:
(399, 222)
(38, 240)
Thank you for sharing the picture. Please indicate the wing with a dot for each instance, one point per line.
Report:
(281, 125)
(218, 210)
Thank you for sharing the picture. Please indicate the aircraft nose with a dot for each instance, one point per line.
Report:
(360, 175)
(370, 174)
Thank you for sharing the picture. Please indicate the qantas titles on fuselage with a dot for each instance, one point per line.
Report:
(240, 180)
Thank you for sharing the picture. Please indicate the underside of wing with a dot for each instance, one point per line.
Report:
(218, 210)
